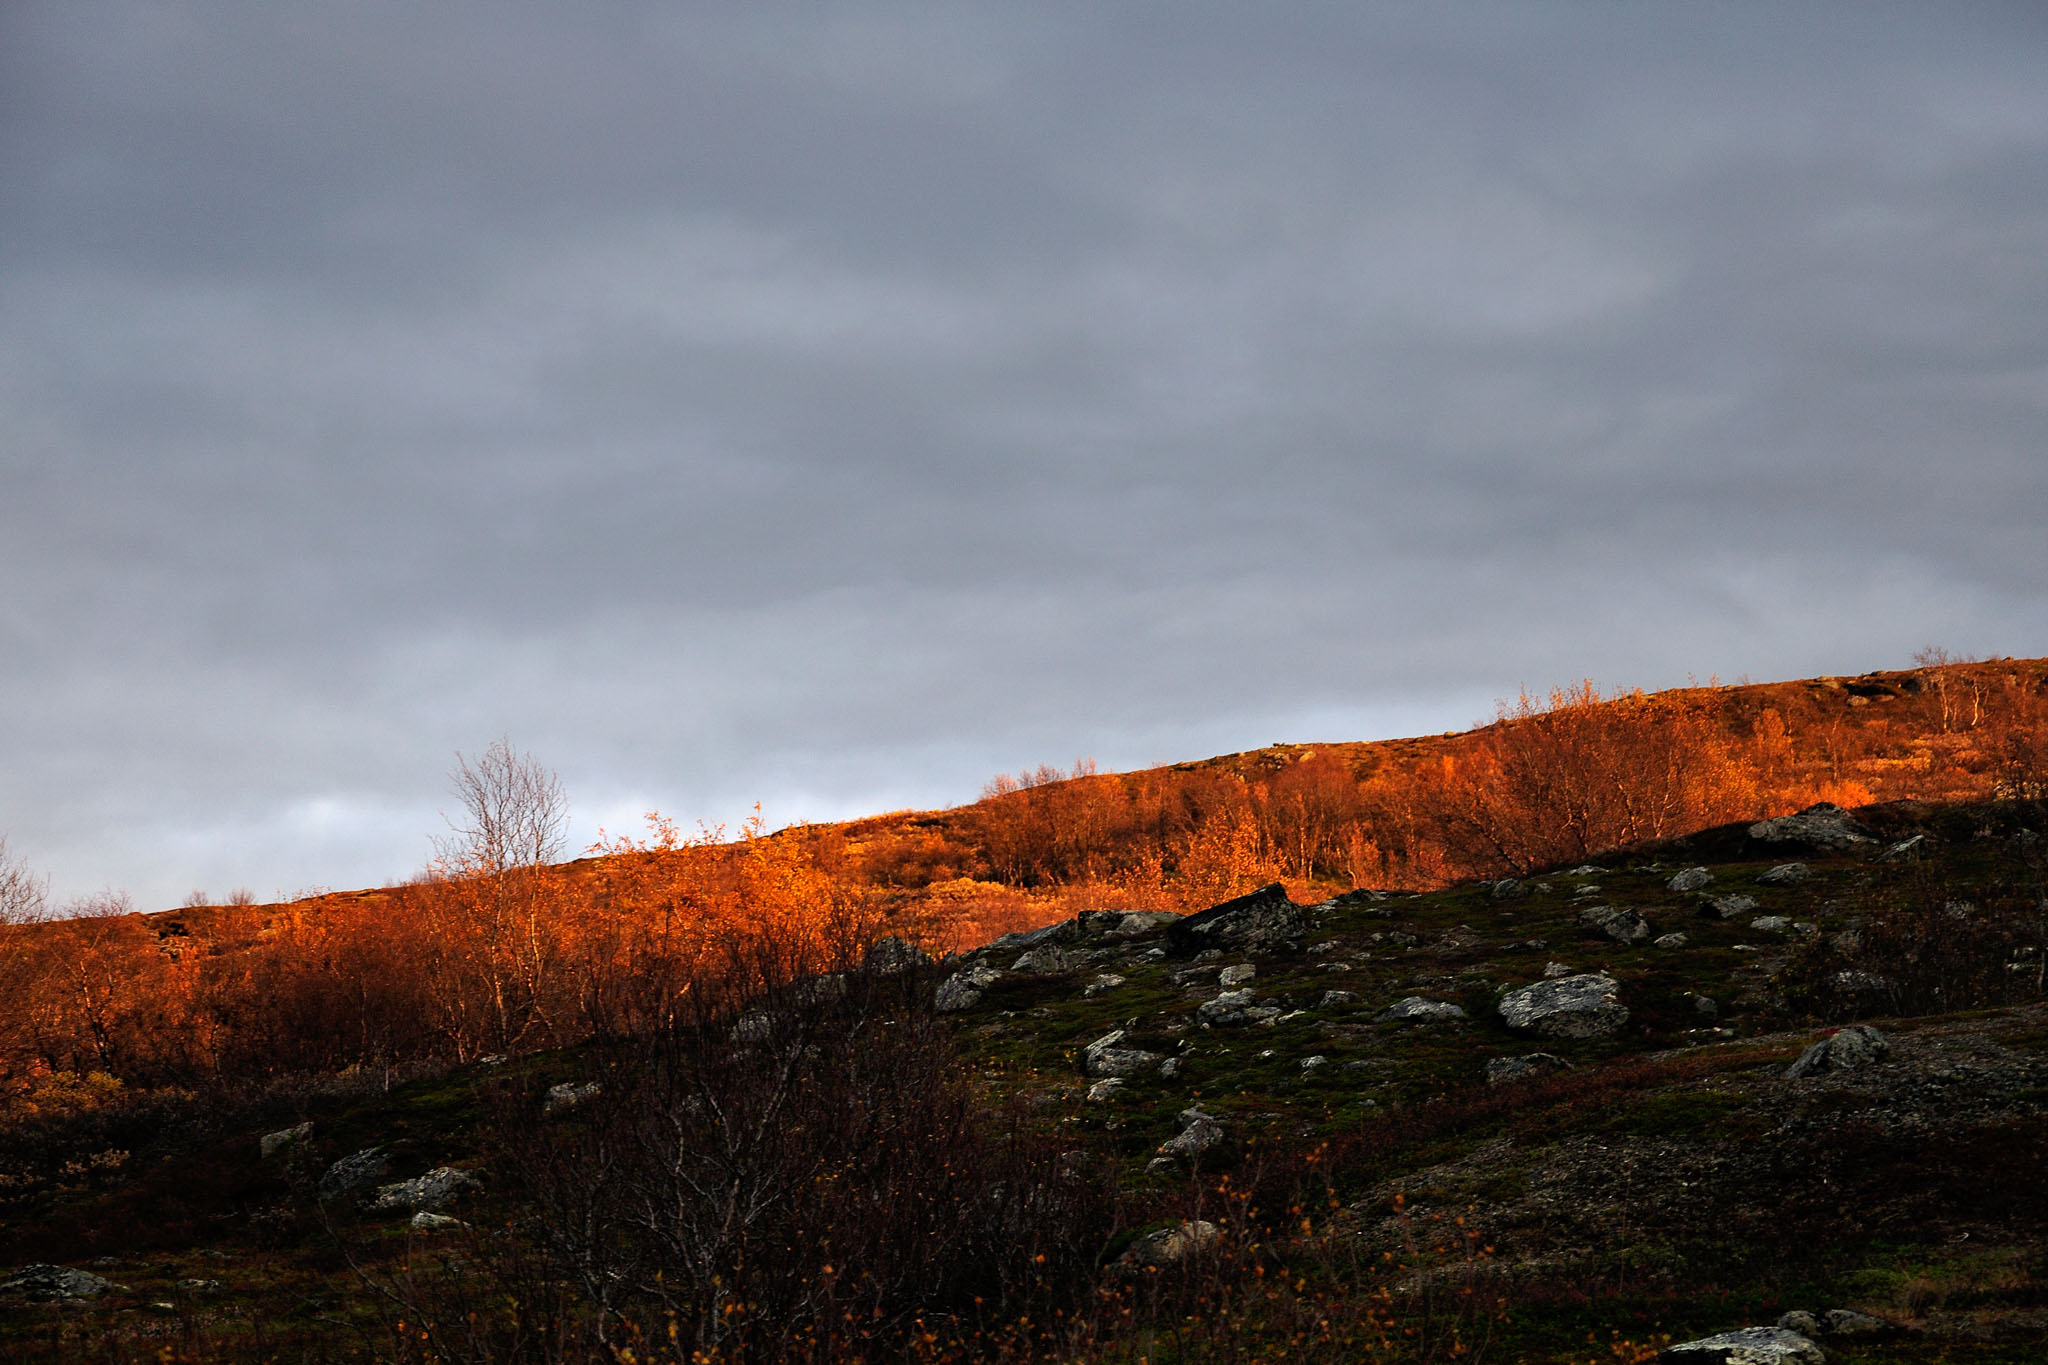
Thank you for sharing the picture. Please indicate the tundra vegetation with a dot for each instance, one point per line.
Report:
(1536, 1045)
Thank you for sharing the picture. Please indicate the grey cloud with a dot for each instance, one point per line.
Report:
(830, 407)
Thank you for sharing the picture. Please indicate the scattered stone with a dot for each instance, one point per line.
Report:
(1903, 851)
(1169, 1246)
(1858, 1045)
(1500, 1069)
(1233, 1009)
(270, 1144)
(1160, 1165)
(1108, 981)
(357, 1171)
(1823, 825)
(424, 1221)
(963, 989)
(1196, 1138)
(1771, 924)
(1784, 874)
(1800, 1321)
(1332, 999)
(1702, 1005)
(437, 1189)
(1668, 941)
(200, 1286)
(1105, 1089)
(1584, 1006)
(1747, 1346)
(1692, 879)
(1169, 1068)
(567, 1095)
(1263, 919)
(1553, 970)
(1416, 1010)
(1726, 907)
(1104, 1057)
(1506, 889)
(1311, 1063)
(892, 956)
(1623, 926)
(49, 1283)
(1236, 975)
(755, 1026)
(1585, 870)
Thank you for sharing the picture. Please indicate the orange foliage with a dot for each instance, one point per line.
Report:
(475, 959)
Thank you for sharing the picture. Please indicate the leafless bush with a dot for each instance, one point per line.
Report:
(24, 896)
(810, 1178)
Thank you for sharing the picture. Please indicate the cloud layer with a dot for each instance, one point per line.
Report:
(831, 407)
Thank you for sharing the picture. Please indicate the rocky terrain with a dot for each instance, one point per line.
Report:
(1773, 1092)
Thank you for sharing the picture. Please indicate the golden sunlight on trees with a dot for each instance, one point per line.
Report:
(1568, 777)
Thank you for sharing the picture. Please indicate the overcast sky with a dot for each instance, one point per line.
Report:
(834, 406)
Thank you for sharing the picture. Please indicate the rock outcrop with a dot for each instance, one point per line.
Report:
(435, 1190)
(1416, 1010)
(352, 1174)
(1263, 919)
(1823, 825)
(1747, 1346)
(54, 1283)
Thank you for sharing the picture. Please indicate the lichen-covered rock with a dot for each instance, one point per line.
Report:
(1771, 924)
(568, 1095)
(963, 989)
(1499, 1069)
(1105, 1089)
(1692, 879)
(357, 1171)
(1332, 999)
(1856, 1046)
(1105, 1057)
(270, 1144)
(1107, 981)
(891, 956)
(1044, 960)
(44, 1283)
(1669, 941)
(1142, 922)
(1847, 1322)
(1233, 1009)
(1235, 975)
(1194, 1139)
(1905, 850)
(1726, 907)
(1784, 874)
(1262, 919)
(1823, 825)
(1415, 1009)
(423, 1221)
(1623, 926)
(1747, 1346)
(437, 1189)
(1583, 1006)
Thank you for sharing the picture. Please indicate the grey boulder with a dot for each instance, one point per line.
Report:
(890, 956)
(1859, 1045)
(1105, 1057)
(1416, 1010)
(1692, 879)
(357, 1171)
(963, 989)
(1583, 1006)
(1499, 1069)
(437, 1189)
(1784, 874)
